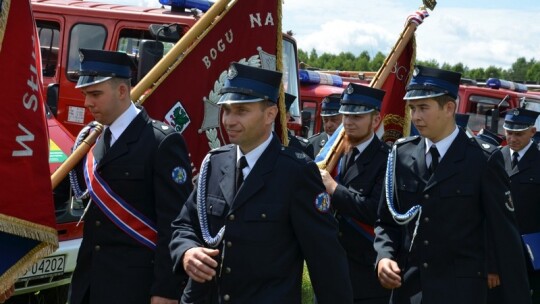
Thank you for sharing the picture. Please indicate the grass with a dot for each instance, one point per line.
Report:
(307, 290)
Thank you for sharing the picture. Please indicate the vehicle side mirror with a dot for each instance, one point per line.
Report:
(166, 32)
(52, 98)
(150, 52)
(491, 120)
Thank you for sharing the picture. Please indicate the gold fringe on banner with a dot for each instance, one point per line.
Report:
(279, 67)
(4, 13)
(46, 235)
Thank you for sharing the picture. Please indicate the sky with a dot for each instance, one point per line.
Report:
(477, 33)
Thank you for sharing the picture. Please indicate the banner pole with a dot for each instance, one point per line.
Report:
(377, 82)
(179, 48)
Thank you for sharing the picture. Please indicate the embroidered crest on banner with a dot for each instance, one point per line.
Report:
(177, 117)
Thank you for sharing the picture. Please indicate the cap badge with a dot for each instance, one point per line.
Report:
(81, 56)
(516, 112)
(232, 73)
(350, 89)
(416, 72)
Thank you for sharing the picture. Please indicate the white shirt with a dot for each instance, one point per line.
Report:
(442, 146)
(122, 122)
(253, 155)
(522, 151)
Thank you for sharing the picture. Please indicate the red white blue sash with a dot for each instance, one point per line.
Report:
(131, 221)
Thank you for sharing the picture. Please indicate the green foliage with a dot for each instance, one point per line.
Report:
(307, 289)
(521, 70)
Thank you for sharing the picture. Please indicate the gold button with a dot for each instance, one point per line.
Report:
(229, 244)
(426, 242)
(426, 196)
(227, 270)
(263, 215)
(98, 223)
(426, 219)
(97, 248)
(126, 173)
(425, 265)
(231, 217)
(226, 297)
(458, 191)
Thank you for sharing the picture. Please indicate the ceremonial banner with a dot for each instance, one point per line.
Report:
(395, 122)
(185, 96)
(27, 221)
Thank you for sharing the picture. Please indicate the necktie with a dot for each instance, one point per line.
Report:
(351, 158)
(515, 159)
(434, 158)
(107, 139)
(242, 163)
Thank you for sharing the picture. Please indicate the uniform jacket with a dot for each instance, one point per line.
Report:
(317, 142)
(467, 194)
(525, 184)
(301, 144)
(272, 226)
(355, 199)
(139, 168)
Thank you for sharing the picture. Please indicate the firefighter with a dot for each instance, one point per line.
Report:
(243, 237)
(140, 165)
(356, 194)
(296, 141)
(522, 163)
(445, 195)
(331, 120)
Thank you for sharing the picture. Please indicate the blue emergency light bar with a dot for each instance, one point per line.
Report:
(313, 77)
(496, 83)
(203, 5)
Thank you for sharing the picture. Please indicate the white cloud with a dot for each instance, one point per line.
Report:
(474, 37)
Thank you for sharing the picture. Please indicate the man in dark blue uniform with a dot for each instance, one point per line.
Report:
(522, 163)
(331, 120)
(356, 194)
(243, 237)
(296, 141)
(445, 195)
(138, 164)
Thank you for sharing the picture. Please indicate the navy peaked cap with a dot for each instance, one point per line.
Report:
(99, 66)
(519, 119)
(289, 99)
(250, 84)
(330, 105)
(431, 82)
(489, 137)
(360, 99)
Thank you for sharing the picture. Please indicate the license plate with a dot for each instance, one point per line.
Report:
(53, 265)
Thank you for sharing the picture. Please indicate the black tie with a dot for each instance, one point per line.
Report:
(515, 159)
(242, 163)
(351, 159)
(107, 139)
(434, 158)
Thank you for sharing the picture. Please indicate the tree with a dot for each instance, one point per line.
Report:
(493, 72)
(377, 61)
(533, 74)
(518, 72)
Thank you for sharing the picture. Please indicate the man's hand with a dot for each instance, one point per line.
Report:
(493, 280)
(199, 263)
(329, 183)
(389, 273)
(160, 300)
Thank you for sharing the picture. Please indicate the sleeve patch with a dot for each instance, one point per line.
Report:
(322, 202)
(179, 175)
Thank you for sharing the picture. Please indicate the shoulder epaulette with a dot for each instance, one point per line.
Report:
(406, 139)
(314, 135)
(294, 154)
(162, 127)
(489, 148)
(300, 138)
(224, 148)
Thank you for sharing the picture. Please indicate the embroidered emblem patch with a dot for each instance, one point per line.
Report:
(322, 202)
(179, 175)
(509, 203)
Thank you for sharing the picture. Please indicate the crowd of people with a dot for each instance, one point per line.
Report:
(440, 217)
